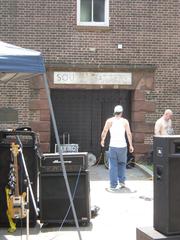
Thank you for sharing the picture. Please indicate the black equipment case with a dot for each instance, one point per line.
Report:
(30, 149)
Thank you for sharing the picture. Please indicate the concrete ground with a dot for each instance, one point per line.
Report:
(120, 213)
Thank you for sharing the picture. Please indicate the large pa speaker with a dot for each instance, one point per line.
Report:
(166, 153)
(31, 157)
(55, 205)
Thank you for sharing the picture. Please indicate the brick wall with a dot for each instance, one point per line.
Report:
(148, 31)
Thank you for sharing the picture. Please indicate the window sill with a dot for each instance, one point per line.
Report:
(93, 28)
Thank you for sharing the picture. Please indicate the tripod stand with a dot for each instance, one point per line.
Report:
(28, 187)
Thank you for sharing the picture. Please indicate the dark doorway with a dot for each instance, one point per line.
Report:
(82, 114)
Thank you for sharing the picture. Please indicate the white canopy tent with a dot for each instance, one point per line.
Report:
(17, 62)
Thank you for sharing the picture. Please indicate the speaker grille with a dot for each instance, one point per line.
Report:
(174, 194)
(54, 199)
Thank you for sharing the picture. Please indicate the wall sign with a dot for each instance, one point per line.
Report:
(101, 78)
(8, 115)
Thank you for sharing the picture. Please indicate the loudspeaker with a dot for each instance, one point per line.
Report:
(31, 159)
(55, 205)
(166, 154)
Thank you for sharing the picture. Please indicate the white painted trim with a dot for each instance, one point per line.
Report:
(98, 24)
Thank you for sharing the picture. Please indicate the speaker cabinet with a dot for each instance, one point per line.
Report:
(31, 160)
(166, 153)
(55, 205)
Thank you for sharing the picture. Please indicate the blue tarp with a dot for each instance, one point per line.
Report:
(17, 62)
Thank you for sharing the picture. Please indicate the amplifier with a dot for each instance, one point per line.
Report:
(28, 138)
(74, 162)
(32, 157)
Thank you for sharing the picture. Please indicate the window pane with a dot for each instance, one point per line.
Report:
(85, 12)
(99, 10)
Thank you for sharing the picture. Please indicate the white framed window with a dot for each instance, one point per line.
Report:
(93, 12)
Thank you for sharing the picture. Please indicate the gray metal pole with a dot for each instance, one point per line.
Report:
(29, 182)
(60, 153)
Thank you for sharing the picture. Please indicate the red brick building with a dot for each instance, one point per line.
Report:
(99, 55)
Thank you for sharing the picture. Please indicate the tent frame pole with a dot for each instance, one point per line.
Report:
(60, 152)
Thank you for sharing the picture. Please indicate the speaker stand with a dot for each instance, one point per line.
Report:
(149, 233)
(27, 211)
(27, 175)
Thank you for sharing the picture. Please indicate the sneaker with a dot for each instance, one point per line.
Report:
(122, 185)
(113, 189)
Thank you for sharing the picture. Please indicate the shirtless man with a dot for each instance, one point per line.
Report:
(163, 125)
